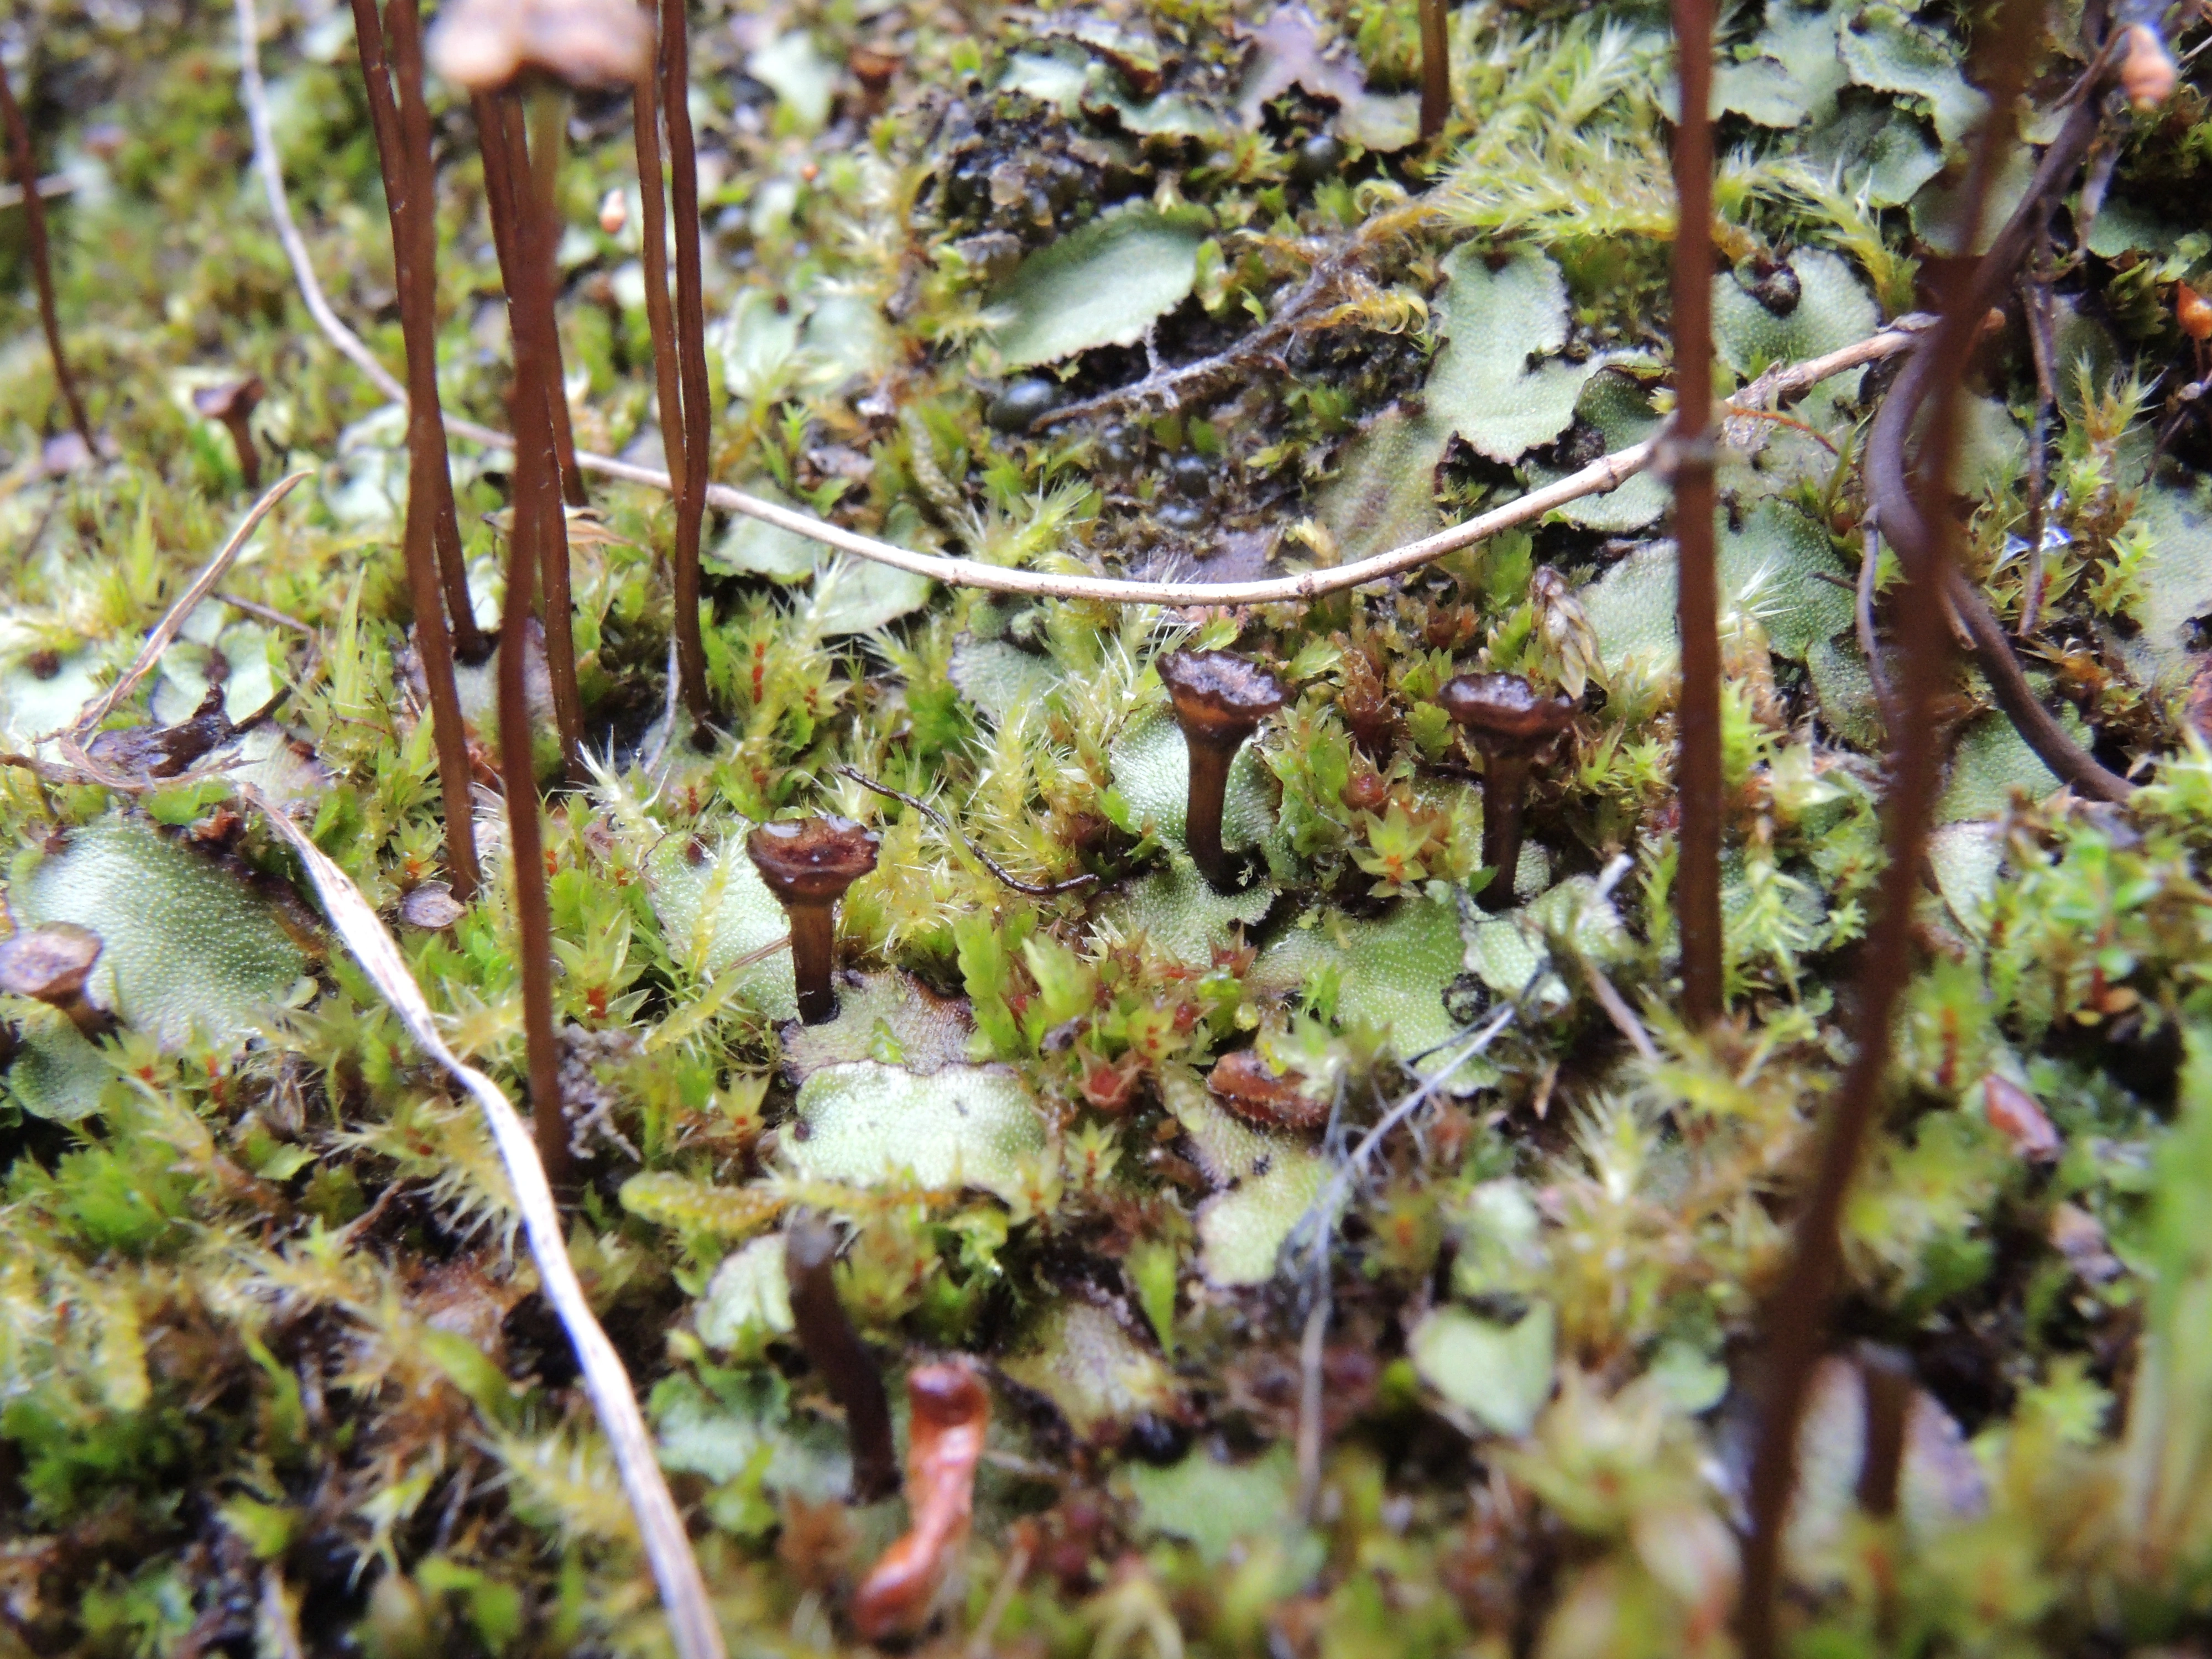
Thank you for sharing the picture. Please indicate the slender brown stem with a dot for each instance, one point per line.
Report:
(652, 231)
(529, 282)
(1904, 523)
(525, 136)
(1886, 1378)
(419, 319)
(835, 1348)
(429, 484)
(1796, 1313)
(1436, 67)
(508, 187)
(1698, 761)
(537, 169)
(692, 352)
(26, 168)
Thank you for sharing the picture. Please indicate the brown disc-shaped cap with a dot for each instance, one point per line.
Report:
(483, 45)
(233, 401)
(1218, 695)
(50, 962)
(1503, 711)
(813, 860)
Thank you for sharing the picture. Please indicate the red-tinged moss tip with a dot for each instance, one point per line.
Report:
(1249, 1086)
(1218, 697)
(1504, 711)
(51, 964)
(813, 860)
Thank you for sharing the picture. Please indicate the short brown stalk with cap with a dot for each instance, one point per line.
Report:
(232, 403)
(1511, 727)
(51, 965)
(835, 1349)
(24, 162)
(1220, 700)
(808, 863)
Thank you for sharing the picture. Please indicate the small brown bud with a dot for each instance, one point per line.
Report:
(2148, 74)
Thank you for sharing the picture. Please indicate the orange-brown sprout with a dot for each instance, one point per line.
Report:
(950, 1411)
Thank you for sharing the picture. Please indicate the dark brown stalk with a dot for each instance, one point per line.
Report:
(26, 167)
(537, 169)
(524, 136)
(653, 230)
(1436, 67)
(419, 319)
(835, 1349)
(1796, 1316)
(407, 189)
(528, 284)
(1903, 522)
(509, 185)
(1886, 1376)
(1697, 615)
(690, 352)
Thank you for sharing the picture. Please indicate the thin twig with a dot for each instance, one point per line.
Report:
(1002, 1597)
(683, 1591)
(1928, 372)
(1034, 889)
(1796, 1316)
(1312, 1351)
(1862, 599)
(1608, 473)
(1320, 1214)
(53, 185)
(34, 227)
(188, 602)
(1618, 1011)
(255, 96)
(267, 613)
(1301, 310)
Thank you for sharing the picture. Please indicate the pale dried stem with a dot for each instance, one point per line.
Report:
(660, 1528)
(165, 631)
(1608, 473)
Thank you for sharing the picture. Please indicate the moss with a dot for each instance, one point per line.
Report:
(269, 1343)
